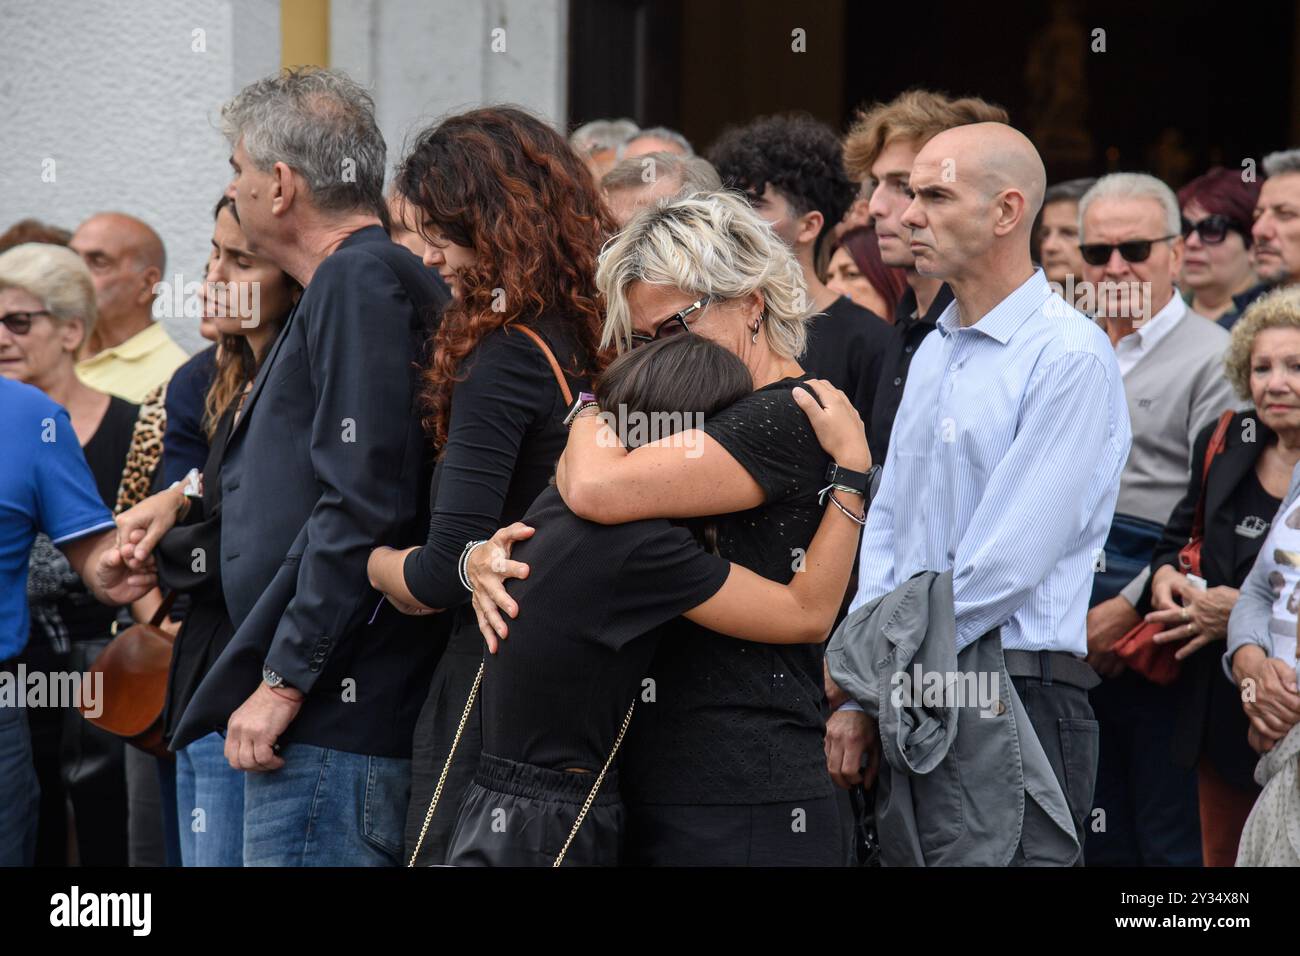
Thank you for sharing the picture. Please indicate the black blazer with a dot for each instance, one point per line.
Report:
(1211, 721)
(328, 461)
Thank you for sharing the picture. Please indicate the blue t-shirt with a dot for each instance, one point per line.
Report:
(45, 485)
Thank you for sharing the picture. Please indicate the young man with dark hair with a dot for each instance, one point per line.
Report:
(792, 170)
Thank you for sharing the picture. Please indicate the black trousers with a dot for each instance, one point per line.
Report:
(791, 833)
(1062, 718)
(1152, 811)
(517, 814)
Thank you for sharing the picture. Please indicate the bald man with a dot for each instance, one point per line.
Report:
(1004, 462)
(128, 354)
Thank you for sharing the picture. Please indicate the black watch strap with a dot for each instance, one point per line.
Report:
(854, 481)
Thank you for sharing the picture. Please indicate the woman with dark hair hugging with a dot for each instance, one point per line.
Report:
(556, 700)
(513, 222)
(728, 767)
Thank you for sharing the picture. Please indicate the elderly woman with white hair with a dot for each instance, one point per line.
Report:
(727, 767)
(47, 310)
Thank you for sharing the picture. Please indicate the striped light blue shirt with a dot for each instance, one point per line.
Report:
(1004, 465)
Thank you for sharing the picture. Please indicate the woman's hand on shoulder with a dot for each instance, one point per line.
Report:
(836, 422)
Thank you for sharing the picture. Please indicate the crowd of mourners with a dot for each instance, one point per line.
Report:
(585, 500)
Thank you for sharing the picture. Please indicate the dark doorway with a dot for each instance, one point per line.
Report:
(1179, 86)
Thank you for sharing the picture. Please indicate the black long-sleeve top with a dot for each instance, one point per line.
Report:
(504, 438)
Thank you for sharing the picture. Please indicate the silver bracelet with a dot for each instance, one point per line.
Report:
(860, 522)
(464, 560)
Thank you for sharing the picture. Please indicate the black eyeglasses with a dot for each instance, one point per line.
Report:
(20, 323)
(1213, 229)
(1135, 250)
(674, 324)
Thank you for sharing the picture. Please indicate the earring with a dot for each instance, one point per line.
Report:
(754, 338)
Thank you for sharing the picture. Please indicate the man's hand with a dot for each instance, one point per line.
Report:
(835, 695)
(254, 728)
(97, 562)
(851, 734)
(488, 568)
(1107, 623)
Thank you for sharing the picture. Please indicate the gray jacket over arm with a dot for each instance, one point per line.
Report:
(937, 803)
(1248, 623)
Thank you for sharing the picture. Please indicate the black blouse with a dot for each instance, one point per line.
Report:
(504, 437)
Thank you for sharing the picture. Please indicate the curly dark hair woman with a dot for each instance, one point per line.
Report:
(512, 221)
(506, 185)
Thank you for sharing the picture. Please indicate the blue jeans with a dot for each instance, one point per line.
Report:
(20, 793)
(326, 808)
(206, 782)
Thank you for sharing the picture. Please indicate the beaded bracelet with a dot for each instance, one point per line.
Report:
(464, 560)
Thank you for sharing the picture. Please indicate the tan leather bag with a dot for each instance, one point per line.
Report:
(135, 665)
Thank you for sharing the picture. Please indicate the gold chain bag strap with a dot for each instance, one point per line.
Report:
(446, 768)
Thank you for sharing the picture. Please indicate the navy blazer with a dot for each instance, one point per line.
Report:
(328, 461)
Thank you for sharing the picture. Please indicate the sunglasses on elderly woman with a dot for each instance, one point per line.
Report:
(674, 324)
(1135, 250)
(20, 323)
(1213, 229)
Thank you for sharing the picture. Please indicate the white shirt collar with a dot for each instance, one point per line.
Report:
(1154, 329)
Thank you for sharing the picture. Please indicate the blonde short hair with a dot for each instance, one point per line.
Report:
(55, 275)
(1279, 309)
(706, 244)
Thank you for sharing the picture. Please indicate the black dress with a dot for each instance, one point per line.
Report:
(734, 743)
(504, 438)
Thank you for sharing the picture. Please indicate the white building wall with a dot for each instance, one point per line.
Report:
(426, 58)
(115, 105)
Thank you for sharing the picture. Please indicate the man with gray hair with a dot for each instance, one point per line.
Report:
(1171, 360)
(640, 181)
(599, 143)
(657, 139)
(319, 687)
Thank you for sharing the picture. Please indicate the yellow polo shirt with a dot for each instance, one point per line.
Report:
(131, 370)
